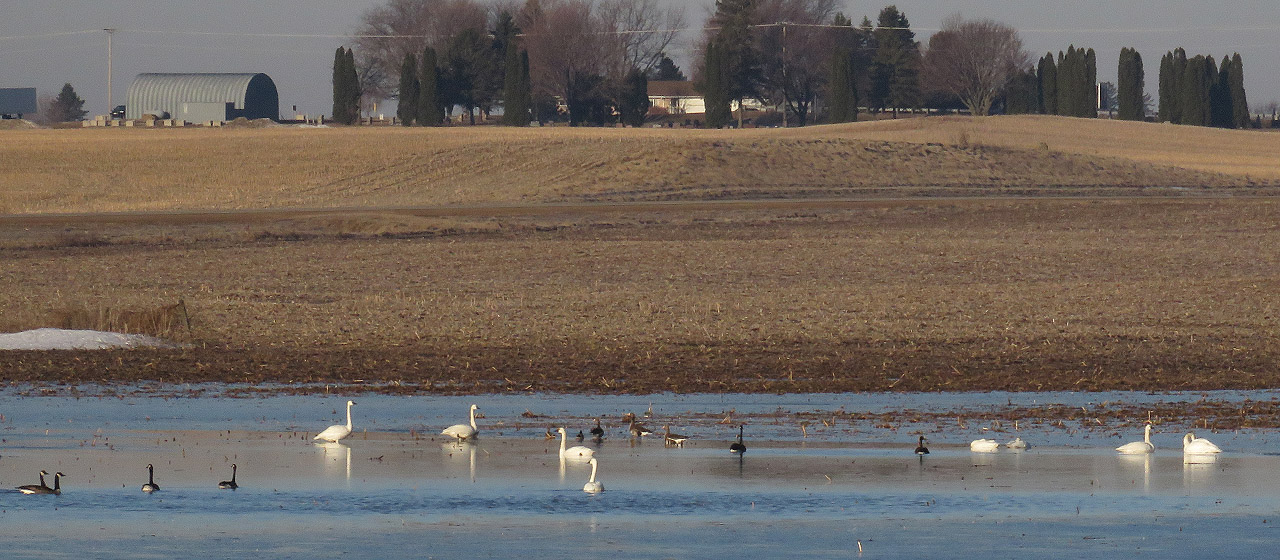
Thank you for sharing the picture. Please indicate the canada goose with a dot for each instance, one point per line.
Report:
(738, 446)
(462, 431)
(921, 449)
(598, 431)
(673, 439)
(575, 453)
(592, 486)
(151, 485)
(230, 484)
(1194, 445)
(41, 488)
(1139, 447)
(580, 436)
(336, 432)
(984, 446)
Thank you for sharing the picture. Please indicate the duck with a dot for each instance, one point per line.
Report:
(921, 449)
(41, 488)
(336, 432)
(230, 484)
(462, 431)
(1195, 445)
(580, 436)
(549, 435)
(593, 486)
(597, 432)
(984, 446)
(575, 453)
(673, 439)
(151, 485)
(1138, 447)
(1017, 443)
(738, 446)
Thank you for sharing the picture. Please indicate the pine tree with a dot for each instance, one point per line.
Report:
(1220, 105)
(1177, 113)
(715, 91)
(1167, 92)
(1088, 104)
(740, 64)
(1048, 74)
(1022, 95)
(895, 65)
(339, 85)
(515, 96)
(407, 103)
(68, 106)
(843, 90)
(1195, 90)
(1129, 94)
(633, 106)
(1240, 105)
(1066, 82)
(430, 111)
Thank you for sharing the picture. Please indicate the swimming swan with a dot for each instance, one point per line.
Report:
(921, 449)
(230, 484)
(337, 431)
(462, 431)
(1193, 444)
(575, 453)
(151, 485)
(1139, 447)
(1017, 443)
(984, 446)
(738, 446)
(592, 486)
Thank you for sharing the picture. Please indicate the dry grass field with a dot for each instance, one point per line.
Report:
(856, 283)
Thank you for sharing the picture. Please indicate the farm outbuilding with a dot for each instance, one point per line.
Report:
(203, 97)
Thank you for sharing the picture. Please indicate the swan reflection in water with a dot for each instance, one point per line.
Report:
(1143, 462)
(1199, 469)
(457, 451)
(337, 459)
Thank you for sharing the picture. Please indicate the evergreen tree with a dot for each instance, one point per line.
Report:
(516, 94)
(715, 89)
(430, 109)
(1179, 74)
(740, 64)
(1048, 74)
(1129, 94)
(407, 103)
(1240, 105)
(1022, 95)
(843, 90)
(666, 71)
(895, 65)
(339, 85)
(633, 104)
(1221, 108)
(68, 106)
(1066, 81)
(1088, 104)
(1168, 95)
(1195, 92)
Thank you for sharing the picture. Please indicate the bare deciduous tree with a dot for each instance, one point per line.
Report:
(645, 29)
(568, 40)
(974, 60)
(387, 32)
(794, 54)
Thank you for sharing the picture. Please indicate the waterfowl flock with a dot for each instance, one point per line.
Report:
(466, 433)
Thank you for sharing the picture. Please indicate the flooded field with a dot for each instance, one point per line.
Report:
(837, 489)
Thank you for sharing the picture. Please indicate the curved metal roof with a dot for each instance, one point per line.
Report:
(165, 92)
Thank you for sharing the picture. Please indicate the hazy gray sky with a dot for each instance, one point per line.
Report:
(218, 36)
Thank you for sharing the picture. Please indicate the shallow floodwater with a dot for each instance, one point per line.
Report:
(396, 489)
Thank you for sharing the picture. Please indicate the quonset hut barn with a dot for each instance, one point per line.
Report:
(203, 97)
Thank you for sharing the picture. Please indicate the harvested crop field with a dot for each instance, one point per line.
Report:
(965, 294)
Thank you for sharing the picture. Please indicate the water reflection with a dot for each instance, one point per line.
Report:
(337, 459)
(458, 451)
(1198, 469)
(1143, 462)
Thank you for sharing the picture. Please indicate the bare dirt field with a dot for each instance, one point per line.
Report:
(538, 281)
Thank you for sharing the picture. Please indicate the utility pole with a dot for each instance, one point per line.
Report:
(785, 100)
(111, 106)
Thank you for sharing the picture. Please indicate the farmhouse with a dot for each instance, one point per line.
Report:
(675, 98)
(203, 97)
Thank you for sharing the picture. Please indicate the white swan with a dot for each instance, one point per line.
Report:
(984, 446)
(1194, 445)
(462, 431)
(1139, 447)
(151, 485)
(575, 453)
(337, 431)
(593, 486)
(1017, 443)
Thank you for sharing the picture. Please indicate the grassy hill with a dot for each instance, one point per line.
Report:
(111, 170)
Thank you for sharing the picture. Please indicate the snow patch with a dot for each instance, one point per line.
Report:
(63, 339)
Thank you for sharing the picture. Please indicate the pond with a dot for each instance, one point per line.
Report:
(396, 488)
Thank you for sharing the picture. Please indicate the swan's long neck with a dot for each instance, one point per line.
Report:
(473, 418)
(593, 472)
(1146, 437)
(1187, 439)
(563, 442)
(348, 416)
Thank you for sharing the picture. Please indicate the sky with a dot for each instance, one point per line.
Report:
(46, 43)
